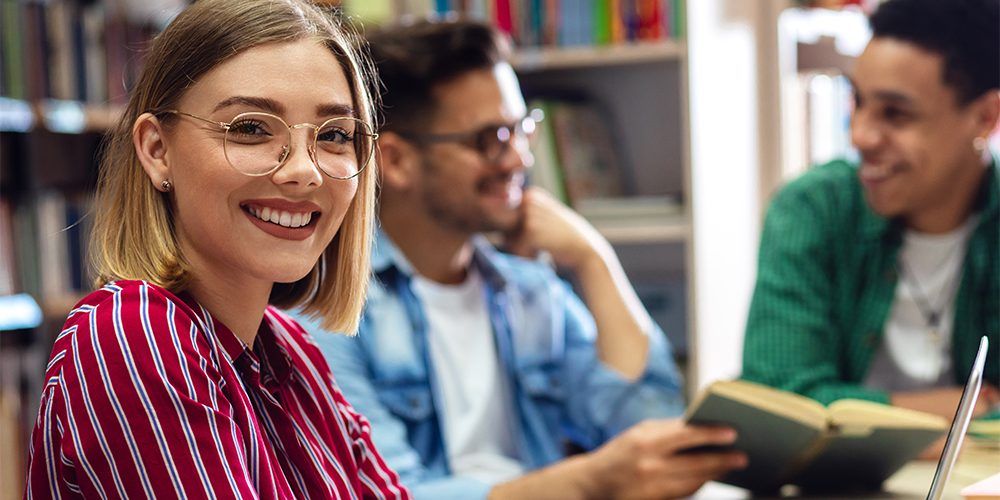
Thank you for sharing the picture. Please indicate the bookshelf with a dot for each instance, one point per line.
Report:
(65, 70)
(549, 58)
(816, 49)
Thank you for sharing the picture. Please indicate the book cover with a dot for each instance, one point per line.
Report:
(850, 446)
(546, 172)
(587, 150)
(678, 22)
(8, 278)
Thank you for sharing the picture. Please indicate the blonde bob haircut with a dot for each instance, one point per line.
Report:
(134, 235)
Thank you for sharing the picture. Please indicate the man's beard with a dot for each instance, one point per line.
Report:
(469, 219)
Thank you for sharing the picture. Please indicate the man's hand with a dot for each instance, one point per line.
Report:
(944, 401)
(552, 227)
(648, 460)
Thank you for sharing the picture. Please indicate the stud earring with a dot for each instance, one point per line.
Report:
(979, 144)
(166, 186)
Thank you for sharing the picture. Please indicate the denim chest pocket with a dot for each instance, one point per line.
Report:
(542, 384)
(411, 402)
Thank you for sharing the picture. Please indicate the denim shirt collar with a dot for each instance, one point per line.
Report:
(387, 257)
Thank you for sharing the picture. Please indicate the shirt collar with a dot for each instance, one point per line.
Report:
(387, 257)
(267, 346)
(273, 351)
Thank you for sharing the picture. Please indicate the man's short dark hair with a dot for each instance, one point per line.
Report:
(412, 59)
(965, 33)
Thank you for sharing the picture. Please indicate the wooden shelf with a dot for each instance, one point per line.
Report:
(71, 117)
(540, 59)
(645, 230)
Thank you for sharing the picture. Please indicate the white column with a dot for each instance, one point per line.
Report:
(725, 163)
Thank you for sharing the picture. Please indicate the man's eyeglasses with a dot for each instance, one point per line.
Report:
(491, 141)
(257, 144)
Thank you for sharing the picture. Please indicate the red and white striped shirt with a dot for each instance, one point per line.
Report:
(146, 395)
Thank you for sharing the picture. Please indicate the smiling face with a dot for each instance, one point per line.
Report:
(458, 187)
(232, 227)
(915, 138)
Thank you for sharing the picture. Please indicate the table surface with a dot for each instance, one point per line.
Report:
(976, 463)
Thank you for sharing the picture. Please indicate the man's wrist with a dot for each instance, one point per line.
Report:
(577, 477)
(588, 476)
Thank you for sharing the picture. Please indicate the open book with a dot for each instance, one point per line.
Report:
(791, 439)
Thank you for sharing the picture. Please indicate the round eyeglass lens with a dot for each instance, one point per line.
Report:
(343, 147)
(259, 143)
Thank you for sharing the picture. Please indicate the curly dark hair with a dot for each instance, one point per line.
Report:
(965, 33)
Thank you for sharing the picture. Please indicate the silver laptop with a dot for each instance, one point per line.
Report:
(960, 424)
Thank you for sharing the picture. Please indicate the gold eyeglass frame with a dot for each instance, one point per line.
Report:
(310, 148)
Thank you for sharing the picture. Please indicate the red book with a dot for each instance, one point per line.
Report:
(503, 18)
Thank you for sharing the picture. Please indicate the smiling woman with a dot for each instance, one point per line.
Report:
(179, 377)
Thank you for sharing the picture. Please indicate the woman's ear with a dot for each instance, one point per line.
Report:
(151, 148)
(399, 161)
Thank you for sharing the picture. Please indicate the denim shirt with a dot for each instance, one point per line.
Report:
(544, 339)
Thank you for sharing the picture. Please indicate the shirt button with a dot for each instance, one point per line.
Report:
(890, 275)
(871, 339)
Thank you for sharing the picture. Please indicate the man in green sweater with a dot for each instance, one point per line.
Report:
(877, 280)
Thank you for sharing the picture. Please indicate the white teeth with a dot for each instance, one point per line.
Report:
(280, 217)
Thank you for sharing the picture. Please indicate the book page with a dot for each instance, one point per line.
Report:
(776, 401)
(852, 415)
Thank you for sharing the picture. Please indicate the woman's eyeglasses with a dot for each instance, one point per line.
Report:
(258, 144)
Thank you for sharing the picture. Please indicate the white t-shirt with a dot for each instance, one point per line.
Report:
(476, 411)
(914, 355)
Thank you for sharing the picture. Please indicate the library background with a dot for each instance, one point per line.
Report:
(668, 124)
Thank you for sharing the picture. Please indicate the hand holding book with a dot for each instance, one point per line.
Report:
(791, 439)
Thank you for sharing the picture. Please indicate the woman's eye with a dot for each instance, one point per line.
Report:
(248, 127)
(336, 135)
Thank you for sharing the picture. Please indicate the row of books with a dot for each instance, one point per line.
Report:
(533, 23)
(867, 5)
(68, 49)
(43, 247)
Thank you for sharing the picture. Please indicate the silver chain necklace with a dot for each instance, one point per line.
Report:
(932, 313)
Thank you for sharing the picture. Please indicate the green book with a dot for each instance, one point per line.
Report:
(678, 25)
(851, 445)
(11, 36)
(546, 172)
(602, 22)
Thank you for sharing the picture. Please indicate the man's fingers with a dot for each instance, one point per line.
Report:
(682, 475)
(693, 436)
(708, 465)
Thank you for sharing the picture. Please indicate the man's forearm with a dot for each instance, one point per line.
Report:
(569, 479)
(621, 320)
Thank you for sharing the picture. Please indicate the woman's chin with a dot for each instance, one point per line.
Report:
(289, 273)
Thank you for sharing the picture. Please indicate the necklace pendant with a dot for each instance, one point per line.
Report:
(935, 335)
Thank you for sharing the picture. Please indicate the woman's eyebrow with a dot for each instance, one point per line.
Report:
(335, 110)
(263, 103)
